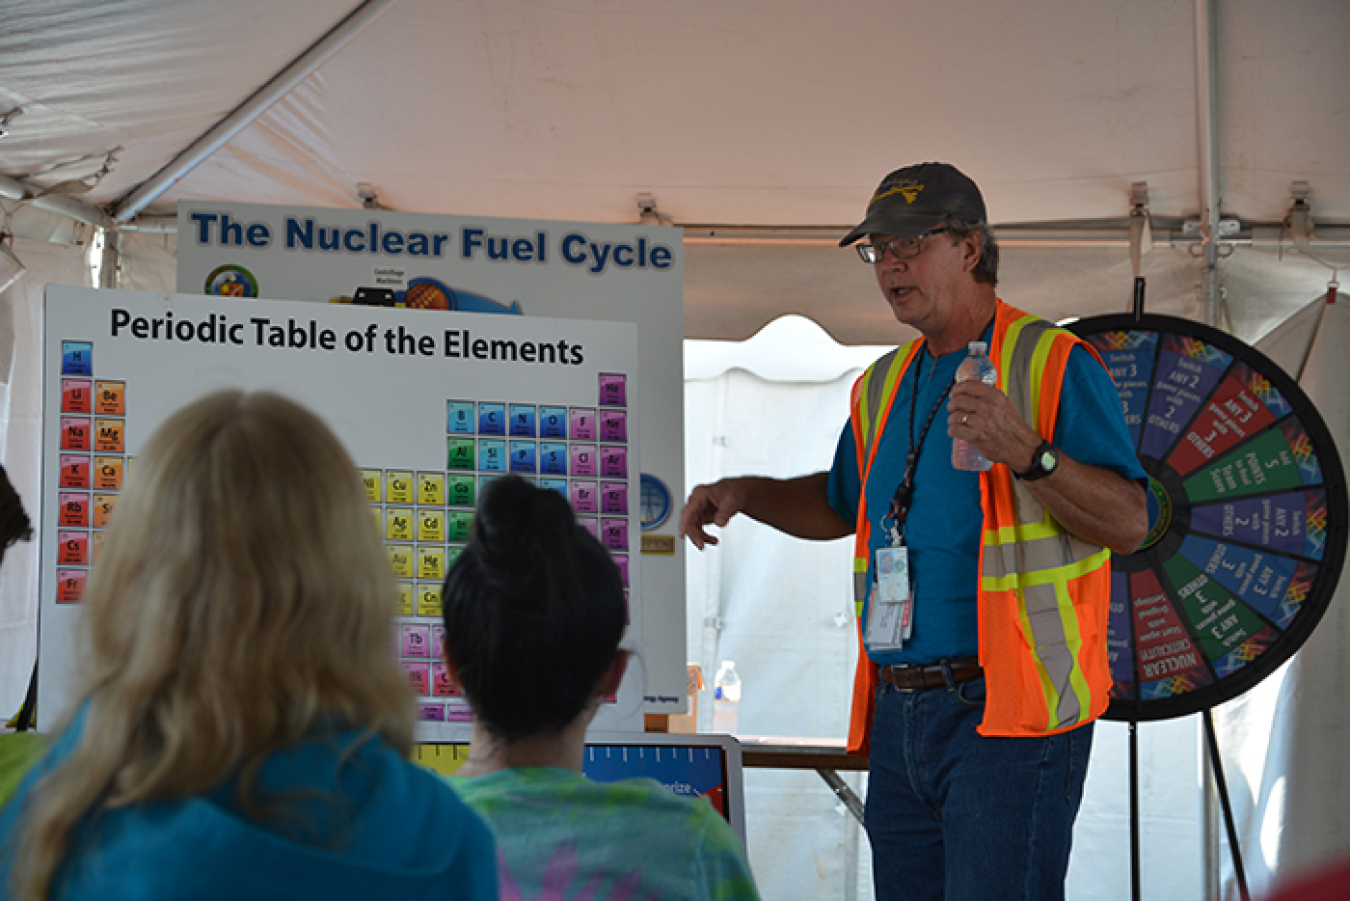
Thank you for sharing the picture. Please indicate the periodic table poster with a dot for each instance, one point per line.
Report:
(430, 263)
(430, 408)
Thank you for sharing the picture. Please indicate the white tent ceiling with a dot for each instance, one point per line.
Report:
(754, 113)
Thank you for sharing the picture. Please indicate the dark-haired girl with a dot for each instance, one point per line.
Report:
(534, 610)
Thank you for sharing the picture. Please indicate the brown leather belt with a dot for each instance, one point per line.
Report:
(921, 678)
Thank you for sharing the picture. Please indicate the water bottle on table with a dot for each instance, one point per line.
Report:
(977, 367)
(726, 698)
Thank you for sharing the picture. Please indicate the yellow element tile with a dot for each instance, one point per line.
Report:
(444, 759)
(405, 598)
(401, 559)
(428, 599)
(431, 563)
(398, 486)
(373, 480)
(430, 525)
(431, 489)
(398, 524)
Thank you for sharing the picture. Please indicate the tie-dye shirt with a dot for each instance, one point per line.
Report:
(562, 836)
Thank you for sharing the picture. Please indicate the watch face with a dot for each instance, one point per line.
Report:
(1048, 460)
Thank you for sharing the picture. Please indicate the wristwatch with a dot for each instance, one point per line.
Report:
(1043, 462)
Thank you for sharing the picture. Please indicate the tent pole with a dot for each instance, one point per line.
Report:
(1220, 783)
(1134, 811)
(262, 100)
(1207, 116)
(112, 259)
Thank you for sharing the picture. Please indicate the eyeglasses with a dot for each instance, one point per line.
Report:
(900, 248)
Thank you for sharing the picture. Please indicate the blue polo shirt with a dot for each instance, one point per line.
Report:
(945, 518)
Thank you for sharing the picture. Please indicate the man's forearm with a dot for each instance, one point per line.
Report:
(799, 507)
(1095, 504)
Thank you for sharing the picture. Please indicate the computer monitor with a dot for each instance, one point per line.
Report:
(697, 765)
(707, 766)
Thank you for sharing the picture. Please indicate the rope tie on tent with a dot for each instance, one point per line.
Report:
(77, 185)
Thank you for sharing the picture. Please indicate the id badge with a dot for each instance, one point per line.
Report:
(889, 613)
(892, 569)
(885, 624)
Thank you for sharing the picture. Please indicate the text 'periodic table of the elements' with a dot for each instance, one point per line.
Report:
(428, 431)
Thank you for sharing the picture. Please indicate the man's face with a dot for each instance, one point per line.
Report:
(921, 289)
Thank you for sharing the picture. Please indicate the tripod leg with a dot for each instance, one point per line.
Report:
(1222, 785)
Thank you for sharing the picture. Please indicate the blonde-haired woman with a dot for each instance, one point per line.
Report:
(242, 726)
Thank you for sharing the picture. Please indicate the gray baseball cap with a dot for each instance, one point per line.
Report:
(912, 200)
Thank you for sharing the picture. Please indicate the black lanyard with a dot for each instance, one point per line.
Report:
(904, 492)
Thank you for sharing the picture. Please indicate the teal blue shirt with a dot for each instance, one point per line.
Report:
(352, 820)
(945, 518)
(563, 836)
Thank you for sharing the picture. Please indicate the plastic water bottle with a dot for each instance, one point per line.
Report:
(976, 366)
(726, 698)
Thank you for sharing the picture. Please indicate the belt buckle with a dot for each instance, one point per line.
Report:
(907, 668)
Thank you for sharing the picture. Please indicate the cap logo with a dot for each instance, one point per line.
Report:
(909, 191)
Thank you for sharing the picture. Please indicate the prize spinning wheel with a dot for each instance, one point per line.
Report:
(1247, 515)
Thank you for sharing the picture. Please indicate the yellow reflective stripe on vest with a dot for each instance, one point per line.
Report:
(872, 395)
(1024, 353)
(1022, 531)
(994, 578)
(865, 411)
(1035, 558)
(859, 585)
(1009, 372)
(1030, 556)
(1051, 626)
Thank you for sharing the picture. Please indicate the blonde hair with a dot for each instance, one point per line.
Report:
(241, 602)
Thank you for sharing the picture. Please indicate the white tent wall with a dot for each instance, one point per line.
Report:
(1170, 816)
(148, 262)
(1283, 743)
(20, 444)
(781, 609)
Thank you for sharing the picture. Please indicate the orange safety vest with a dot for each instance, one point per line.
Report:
(1044, 594)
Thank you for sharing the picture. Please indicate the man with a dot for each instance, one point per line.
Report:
(982, 597)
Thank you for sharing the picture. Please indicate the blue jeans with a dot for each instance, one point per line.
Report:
(954, 816)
